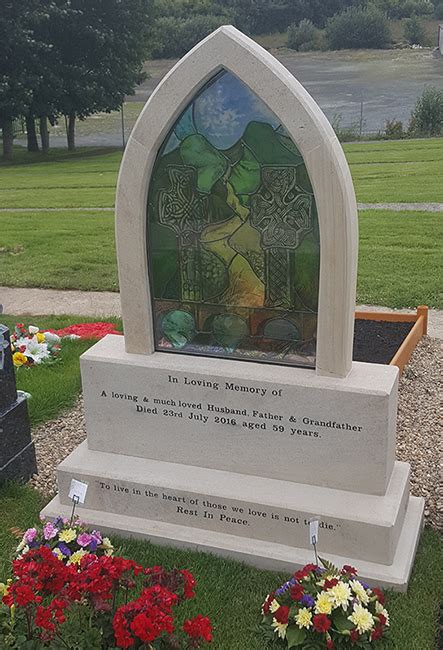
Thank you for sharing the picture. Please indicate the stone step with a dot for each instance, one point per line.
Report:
(355, 525)
(258, 553)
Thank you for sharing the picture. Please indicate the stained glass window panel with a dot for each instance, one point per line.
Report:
(233, 241)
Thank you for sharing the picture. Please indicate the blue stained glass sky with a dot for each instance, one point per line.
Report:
(221, 112)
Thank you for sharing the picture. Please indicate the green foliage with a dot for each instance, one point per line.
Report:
(394, 130)
(357, 27)
(414, 31)
(174, 36)
(266, 16)
(427, 116)
(404, 8)
(303, 36)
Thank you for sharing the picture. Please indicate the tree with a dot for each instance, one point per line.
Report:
(414, 31)
(427, 116)
(19, 53)
(354, 28)
(100, 46)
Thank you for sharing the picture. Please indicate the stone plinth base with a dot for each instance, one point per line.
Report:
(261, 521)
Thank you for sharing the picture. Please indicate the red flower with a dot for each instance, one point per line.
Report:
(296, 592)
(382, 619)
(310, 567)
(282, 614)
(267, 603)
(377, 633)
(354, 635)
(189, 584)
(321, 623)
(350, 570)
(330, 644)
(198, 628)
(88, 330)
(330, 583)
(380, 595)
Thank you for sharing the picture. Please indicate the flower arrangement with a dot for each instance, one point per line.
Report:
(30, 346)
(96, 603)
(68, 540)
(325, 607)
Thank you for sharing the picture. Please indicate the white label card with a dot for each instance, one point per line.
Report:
(313, 531)
(77, 491)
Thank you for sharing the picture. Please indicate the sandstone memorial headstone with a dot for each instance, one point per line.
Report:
(17, 454)
(231, 414)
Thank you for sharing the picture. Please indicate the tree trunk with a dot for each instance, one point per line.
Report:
(8, 139)
(31, 133)
(71, 132)
(44, 133)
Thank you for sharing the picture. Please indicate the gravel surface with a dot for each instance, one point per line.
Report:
(419, 431)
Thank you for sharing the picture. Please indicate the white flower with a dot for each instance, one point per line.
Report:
(52, 338)
(379, 609)
(359, 591)
(341, 594)
(362, 618)
(37, 351)
(33, 329)
(273, 606)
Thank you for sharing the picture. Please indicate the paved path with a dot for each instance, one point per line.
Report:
(396, 207)
(23, 302)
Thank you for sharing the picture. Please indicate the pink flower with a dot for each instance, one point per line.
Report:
(49, 530)
(30, 535)
(84, 539)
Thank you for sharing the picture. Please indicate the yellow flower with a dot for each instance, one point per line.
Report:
(280, 628)
(323, 604)
(57, 552)
(19, 359)
(362, 618)
(303, 618)
(359, 591)
(67, 535)
(107, 546)
(77, 556)
(341, 594)
(4, 587)
(40, 337)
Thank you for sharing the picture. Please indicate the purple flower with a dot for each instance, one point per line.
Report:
(93, 545)
(282, 589)
(49, 530)
(30, 535)
(64, 549)
(365, 585)
(293, 581)
(307, 601)
(97, 536)
(84, 539)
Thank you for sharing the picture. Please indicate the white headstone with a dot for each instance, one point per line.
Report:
(189, 442)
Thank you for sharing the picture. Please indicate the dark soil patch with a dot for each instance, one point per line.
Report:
(377, 341)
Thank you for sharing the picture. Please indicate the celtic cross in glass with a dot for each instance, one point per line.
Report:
(281, 212)
(183, 209)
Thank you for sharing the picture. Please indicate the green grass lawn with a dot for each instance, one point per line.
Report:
(232, 593)
(398, 171)
(402, 171)
(54, 387)
(399, 262)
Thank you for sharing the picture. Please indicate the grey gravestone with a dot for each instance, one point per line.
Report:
(17, 453)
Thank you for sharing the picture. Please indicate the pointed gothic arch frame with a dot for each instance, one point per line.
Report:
(229, 49)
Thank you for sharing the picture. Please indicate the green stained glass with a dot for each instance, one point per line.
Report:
(233, 241)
